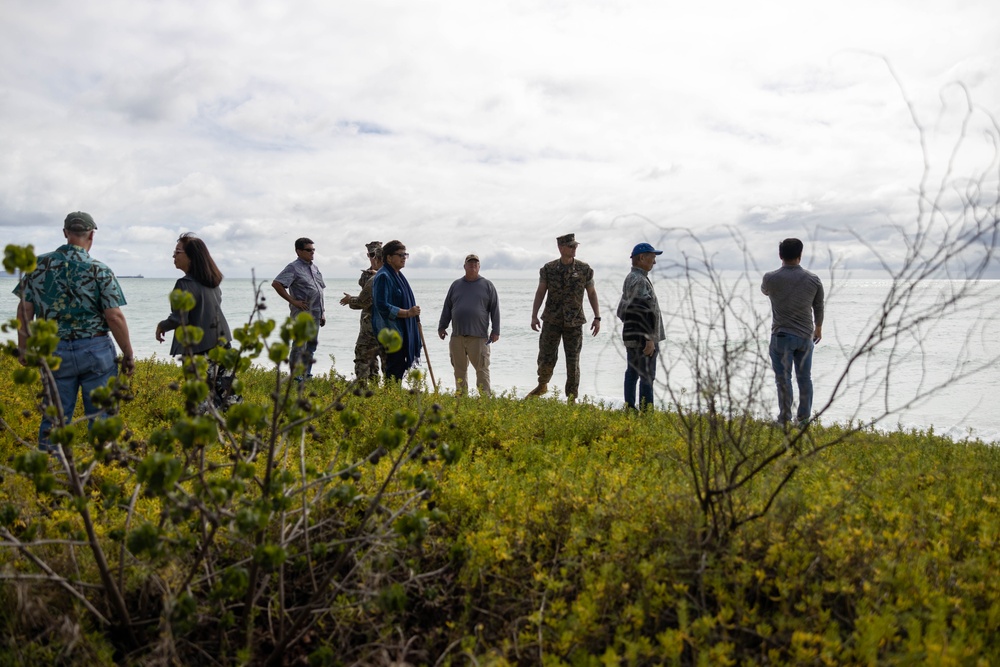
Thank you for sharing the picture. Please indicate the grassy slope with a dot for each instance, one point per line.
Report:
(575, 529)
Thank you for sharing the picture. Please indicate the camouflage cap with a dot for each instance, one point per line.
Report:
(372, 245)
(79, 222)
(567, 239)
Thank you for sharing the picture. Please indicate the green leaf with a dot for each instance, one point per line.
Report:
(404, 419)
(182, 301)
(390, 438)
(269, 555)
(390, 340)
(19, 258)
(350, 418)
(304, 329)
(159, 472)
(145, 538)
(8, 514)
(189, 335)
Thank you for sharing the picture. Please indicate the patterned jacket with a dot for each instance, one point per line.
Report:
(565, 284)
(363, 301)
(639, 310)
(73, 289)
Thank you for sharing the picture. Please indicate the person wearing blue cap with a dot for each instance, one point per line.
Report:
(642, 327)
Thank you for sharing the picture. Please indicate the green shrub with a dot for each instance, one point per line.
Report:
(559, 534)
(180, 530)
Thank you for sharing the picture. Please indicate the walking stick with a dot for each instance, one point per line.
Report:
(427, 355)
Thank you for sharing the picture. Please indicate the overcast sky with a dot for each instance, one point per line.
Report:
(464, 126)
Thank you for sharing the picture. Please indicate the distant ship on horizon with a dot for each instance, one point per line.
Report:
(135, 276)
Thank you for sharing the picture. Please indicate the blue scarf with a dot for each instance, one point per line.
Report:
(407, 327)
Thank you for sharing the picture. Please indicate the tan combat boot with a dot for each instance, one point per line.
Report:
(538, 391)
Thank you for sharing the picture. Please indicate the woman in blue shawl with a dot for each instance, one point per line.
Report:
(394, 307)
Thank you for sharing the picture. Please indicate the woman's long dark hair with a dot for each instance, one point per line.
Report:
(202, 268)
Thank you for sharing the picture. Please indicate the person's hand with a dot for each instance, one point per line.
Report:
(301, 304)
(442, 333)
(413, 312)
(346, 300)
(595, 326)
(22, 357)
(494, 337)
(535, 324)
(159, 334)
(818, 333)
(128, 366)
(322, 321)
(649, 349)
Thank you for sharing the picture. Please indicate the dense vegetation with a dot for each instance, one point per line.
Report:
(511, 532)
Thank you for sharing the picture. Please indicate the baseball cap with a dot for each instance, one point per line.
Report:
(643, 248)
(472, 256)
(567, 239)
(79, 222)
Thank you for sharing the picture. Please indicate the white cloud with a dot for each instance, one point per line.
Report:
(455, 125)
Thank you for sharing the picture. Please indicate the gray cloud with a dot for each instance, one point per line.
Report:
(256, 123)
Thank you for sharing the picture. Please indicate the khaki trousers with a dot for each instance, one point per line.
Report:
(465, 349)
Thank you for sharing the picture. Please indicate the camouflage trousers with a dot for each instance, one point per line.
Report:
(367, 353)
(548, 354)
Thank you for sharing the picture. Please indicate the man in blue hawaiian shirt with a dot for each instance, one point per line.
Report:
(83, 297)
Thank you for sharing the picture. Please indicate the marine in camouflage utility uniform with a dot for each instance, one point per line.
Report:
(563, 318)
(367, 351)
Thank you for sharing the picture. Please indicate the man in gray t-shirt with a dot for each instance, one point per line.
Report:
(470, 306)
(796, 326)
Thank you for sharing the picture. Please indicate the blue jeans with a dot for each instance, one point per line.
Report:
(306, 356)
(641, 369)
(87, 363)
(788, 352)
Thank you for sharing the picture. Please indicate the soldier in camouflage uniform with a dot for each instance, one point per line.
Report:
(83, 297)
(565, 280)
(367, 351)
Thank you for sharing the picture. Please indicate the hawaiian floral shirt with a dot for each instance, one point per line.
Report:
(73, 289)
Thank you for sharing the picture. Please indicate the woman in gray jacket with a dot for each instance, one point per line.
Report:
(202, 279)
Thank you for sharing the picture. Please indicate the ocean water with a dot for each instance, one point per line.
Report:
(888, 379)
